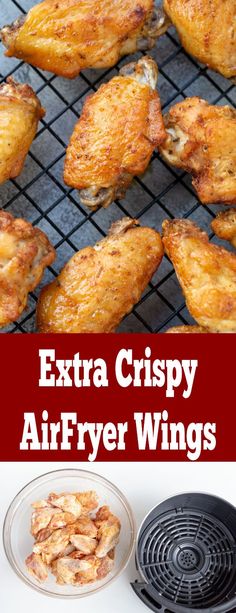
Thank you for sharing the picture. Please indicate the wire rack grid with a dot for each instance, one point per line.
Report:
(40, 195)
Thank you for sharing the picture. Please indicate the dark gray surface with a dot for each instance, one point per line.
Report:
(40, 195)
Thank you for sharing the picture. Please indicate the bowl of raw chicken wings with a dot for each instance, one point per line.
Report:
(69, 533)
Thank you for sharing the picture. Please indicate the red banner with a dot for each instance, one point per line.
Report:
(117, 398)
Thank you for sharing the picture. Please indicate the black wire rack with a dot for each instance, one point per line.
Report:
(40, 195)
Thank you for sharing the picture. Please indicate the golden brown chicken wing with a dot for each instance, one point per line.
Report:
(114, 139)
(25, 252)
(100, 284)
(187, 330)
(207, 30)
(224, 226)
(206, 272)
(20, 112)
(66, 36)
(201, 139)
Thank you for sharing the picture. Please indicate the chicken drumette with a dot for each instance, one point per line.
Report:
(25, 252)
(20, 112)
(206, 272)
(201, 140)
(100, 284)
(67, 36)
(114, 139)
(224, 226)
(207, 30)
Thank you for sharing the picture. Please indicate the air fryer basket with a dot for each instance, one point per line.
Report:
(186, 556)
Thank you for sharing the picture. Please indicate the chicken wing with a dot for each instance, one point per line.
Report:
(66, 36)
(73, 570)
(89, 500)
(120, 126)
(20, 112)
(108, 531)
(51, 547)
(206, 272)
(36, 567)
(67, 502)
(224, 226)
(201, 139)
(84, 544)
(25, 252)
(207, 29)
(187, 330)
(100, 284)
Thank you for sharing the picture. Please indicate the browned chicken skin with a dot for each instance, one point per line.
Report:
(120, 126)
(207, 29)
(20, 112)
(187, 330)
(201, 140)
(25, 252)
(67, 36)
(224, 226)
(101, 284)
(206, 272)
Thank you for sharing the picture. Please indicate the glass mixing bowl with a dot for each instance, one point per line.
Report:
(18, 541)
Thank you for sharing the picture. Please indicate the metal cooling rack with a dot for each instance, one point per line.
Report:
(40, 195)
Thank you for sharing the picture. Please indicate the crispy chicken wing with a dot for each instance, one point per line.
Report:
(120, 126)
(25, 252)
(20, 112)
(206, 272)
(187, 330)
(108, 531)
(100, 284)
(207, 30)
(224, 226)
(201, 139)
(66, 36)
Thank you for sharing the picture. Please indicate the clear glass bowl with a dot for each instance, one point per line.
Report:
(18, 541)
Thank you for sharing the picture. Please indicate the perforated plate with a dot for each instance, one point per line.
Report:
(40, 195)
(186, 554)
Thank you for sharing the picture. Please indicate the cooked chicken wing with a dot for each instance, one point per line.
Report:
(224, 226)
(36, 567)
(100, 284)
(120, 126)
(108, 531)
(20, 112)
(206, 272)
(25, 252)
(201, 139)
(84, 544)
(207, 30)
(66, 36)
(187, 330)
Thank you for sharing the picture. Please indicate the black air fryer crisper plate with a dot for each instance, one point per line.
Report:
(186, 556)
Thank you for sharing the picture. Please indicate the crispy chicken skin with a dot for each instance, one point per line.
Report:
(101, 284)
(187, 330)
(206, 272)
(207, 29)
(20, 112)
(201, 140)
(25, 252)
(67, 36)
(224, 226)
(120, 126)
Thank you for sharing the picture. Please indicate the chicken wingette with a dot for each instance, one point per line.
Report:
(101, 284)
(20, 112)
(120, 126)
(224, 226)
(67, 36)
(201, 139)
(207, 30)
(25, 252)
(187, 330)
(206, 273)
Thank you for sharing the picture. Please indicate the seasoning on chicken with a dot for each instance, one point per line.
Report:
(187, 330)
(67, 36)
(201, 140)
(36, 567)
(76, 571)
(100, 284)
(85, 525)
(20, 112)
(224, 226)
(25, 252)
(89, 500)
(207, 30)
(120, 126)
(108, 531)
(84, 544)
(67, 502)
(53, 545)
(206, 272)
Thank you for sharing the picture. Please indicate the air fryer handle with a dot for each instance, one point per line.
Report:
(148, 596)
